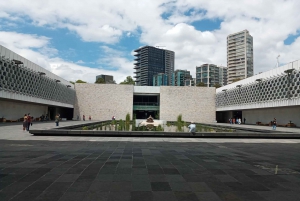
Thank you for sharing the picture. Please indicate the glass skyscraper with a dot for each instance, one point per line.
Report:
(151, 61)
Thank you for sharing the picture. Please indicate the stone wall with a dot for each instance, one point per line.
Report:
(283, 115)
(102, 101)
(13, 110)
(194, 103)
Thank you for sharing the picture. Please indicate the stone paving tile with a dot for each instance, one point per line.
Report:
(141, 186)
(74, 196)
(148, 170)
(208, 196)
(163, 196)
(186, 195)
(50, 196)
(26, 196)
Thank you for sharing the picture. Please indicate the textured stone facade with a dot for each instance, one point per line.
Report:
(102, 101)
(194, 103)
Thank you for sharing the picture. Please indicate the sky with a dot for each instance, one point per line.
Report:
(81, 39)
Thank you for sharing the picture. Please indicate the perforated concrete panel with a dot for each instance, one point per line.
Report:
(20, 79)
(277, 88)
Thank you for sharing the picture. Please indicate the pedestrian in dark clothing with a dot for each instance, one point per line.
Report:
(25, 122)
(57, 119)
(83, 117)
(274, 122)
(244, 120)
(28, 121)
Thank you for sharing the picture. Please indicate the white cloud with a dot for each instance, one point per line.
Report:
(270, 22)
(37, 49)
(80, 62)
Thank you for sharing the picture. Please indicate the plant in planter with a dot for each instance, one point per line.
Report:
(2, 119)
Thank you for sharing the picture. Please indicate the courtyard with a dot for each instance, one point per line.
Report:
(124, 168)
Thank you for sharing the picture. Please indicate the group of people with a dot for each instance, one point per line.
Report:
(27, 122)
(83, 117)
(236, 121)
(44, 117)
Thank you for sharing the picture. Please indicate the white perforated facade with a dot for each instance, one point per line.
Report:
(275, 89)
(28, 84)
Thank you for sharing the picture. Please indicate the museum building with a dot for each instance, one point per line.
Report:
(26, 87)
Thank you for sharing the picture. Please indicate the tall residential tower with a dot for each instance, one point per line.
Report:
(151, 61)
(239, 56)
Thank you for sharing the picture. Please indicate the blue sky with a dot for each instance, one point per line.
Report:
(78, 40)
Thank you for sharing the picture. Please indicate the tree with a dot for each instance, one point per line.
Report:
(201, 84)
(128, 80)
(100, 81)
(217, 85)
(80, 81)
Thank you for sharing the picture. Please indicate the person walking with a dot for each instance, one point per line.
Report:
(25, 122)
(240, 121)
(274, 124)
(83, 117)
(244, 120)
(90, 118)
(77, 117)
(28, 121)
(57, 119)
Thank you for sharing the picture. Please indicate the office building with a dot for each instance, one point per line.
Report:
(179, 77)
(239, 56)
(209, 74)
(151, 61)
(161, 79)
(108, 79)
(223, 75)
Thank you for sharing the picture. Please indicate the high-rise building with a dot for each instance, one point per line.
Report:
(161, 79)
(151, 61)
(209, 74)
(108, 79)
(239, 56)
(179, 77)
(223, 75)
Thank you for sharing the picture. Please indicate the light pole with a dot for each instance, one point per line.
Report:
(278, 60)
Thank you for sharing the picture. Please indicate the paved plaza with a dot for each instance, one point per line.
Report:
(137, 169)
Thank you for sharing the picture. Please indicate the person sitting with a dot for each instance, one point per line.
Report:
(192, 128)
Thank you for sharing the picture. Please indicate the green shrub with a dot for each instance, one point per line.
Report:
(85, 128)
(179, 123)
(160, 128)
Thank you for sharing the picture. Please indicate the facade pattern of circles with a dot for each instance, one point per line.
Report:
(278, 88)
(22, 80)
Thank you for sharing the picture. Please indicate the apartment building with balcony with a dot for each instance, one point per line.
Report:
(150, 61)
(211, 74)
(239, 56)
(181, 77)
(223, 75)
